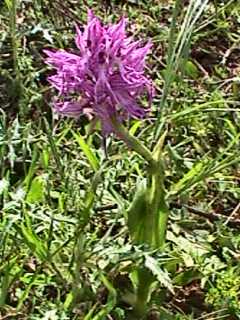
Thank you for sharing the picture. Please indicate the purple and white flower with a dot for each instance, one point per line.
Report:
(105, 79)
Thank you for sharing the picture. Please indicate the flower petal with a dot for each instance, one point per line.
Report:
(70, 108)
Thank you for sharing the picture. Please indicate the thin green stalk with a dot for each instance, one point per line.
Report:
(3, 149)
(78, 283)
(170, 64)
(178, 51)
(132, 142)
(13, 11)
(54, 150)
(16, 82)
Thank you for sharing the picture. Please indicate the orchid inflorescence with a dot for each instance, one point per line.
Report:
(105, 79)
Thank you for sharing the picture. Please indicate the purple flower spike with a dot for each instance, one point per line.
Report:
(105, 79)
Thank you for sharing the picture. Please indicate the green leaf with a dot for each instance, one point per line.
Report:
(111, 301)
(87, 151)
(27, 291)
(35, 244)
(189, 178)
(191, 70)
(8, 4)
(4, 184)
(89, 315)
(134, 127)
(6, 279)
(36, 192)
(68, 301)
(45, 156)
(186, 277)
(32, 168)
(137, 214)
(162, 275)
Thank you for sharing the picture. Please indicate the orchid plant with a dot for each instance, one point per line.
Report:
(105, 81)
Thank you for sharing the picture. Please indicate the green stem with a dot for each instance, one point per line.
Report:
(161, 211)
(158, 209)
(132, 142)
(77, 288)
(154, 206)
(162, 229)
(145, 279)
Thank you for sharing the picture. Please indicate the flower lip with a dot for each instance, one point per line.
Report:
(108, 72)
(89, 43)
(101, 57)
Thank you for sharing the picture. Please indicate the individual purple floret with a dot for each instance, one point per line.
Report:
(105, 79)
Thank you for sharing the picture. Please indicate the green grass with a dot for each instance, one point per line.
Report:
(64, 244)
